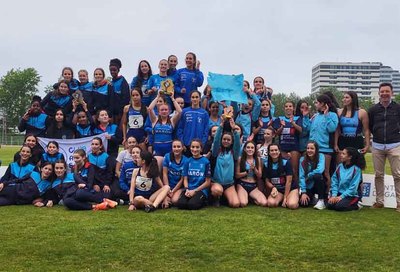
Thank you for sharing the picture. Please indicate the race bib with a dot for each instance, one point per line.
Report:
(135, 121)
(276, 181)
(143, 184)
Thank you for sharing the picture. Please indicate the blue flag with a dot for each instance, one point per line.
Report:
(227, 87)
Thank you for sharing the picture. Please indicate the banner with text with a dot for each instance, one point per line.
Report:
(67, 147)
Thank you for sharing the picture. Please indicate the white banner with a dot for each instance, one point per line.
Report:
(68, 146)
(369, 192)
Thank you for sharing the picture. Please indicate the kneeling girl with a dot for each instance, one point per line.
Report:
(278, 175)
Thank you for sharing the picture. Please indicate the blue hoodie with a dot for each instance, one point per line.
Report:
(304, 181)
(193, 124)
(126, 175)
(246, 119)
(225, 161)
(345, 181)
(322, 129)
(188, 79)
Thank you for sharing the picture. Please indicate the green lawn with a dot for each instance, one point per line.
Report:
(213, 239)
(7, 154)
(248, 239)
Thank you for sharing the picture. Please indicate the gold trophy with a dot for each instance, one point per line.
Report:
(167, 87)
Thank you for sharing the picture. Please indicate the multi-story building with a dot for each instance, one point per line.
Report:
(361, 77)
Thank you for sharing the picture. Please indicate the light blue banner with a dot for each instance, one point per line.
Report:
(227, 87)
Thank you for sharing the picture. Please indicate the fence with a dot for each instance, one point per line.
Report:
(12, 139)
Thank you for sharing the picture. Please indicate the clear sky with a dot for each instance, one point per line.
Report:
(279, 40)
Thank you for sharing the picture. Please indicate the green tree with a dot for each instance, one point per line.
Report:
(365, 103)
(48, 89)
(279, 100)
(336, 93)
(397, 98)
(17, 88)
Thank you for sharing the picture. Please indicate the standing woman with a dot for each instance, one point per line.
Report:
(311, 176)
(121, 91)
(289, 132)
(278, 175)
(196, 179)
(133, 119)
(322, 129)
(172, 63)
(264, 121)
(215, 118)
(67, 74)
(21, 168)
(37, 150)
(248, 172)
(225, 150)
(259, 88)
(60, 98)
(104, 168)
(113, 135)
(102, 92)
(173, 165)
(34, 121)
(86, 87)
(163, 128)
(346, 180)
(188, 79)
(156, 80)
(59, 128)
(141, 80)
(353, 123)
(303, 111)
(145, 179)
(27, 190)
(193, 123)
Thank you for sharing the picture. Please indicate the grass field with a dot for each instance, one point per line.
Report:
(7, 154)
(213, 239)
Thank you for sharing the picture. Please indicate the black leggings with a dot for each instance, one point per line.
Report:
(344, 205)
(81, 199)
(195, 202)
(8, 196)
(318, 188)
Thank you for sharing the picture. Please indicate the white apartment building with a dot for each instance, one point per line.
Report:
(361, 77)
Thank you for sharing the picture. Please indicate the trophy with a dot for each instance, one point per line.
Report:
(167, 87)
(77, 95)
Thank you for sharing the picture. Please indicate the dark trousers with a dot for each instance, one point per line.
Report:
(8, 196)
(118, 193)
(193, 203)
(318, 188)
(344, 205)
(82, 198)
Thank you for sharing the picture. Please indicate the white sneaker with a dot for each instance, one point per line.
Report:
(320, 205)
(360, 205)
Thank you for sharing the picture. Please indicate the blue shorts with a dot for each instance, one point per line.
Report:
(139, 134)
(160, 149)
(249, 187)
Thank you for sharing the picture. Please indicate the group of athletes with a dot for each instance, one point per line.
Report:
(184, 149)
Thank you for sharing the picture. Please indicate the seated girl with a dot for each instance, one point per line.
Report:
(147, 191)
(196, 179)
(346, 180)
(311, 176)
